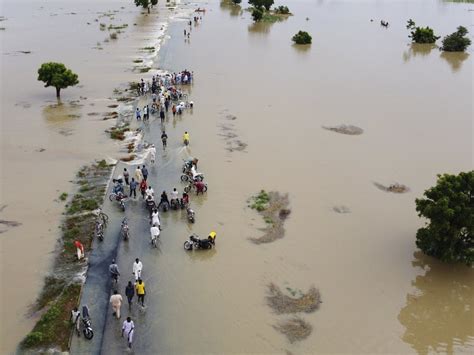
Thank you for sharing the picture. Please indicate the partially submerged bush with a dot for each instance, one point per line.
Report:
(421, 34)
(302, 37)
(282, 10)
(281, 303)
(257, 14)
(457, 41)
(295, 329)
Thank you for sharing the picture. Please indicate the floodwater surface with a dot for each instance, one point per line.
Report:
(414, 105)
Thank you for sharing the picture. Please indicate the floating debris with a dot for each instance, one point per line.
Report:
(346, 129)
(295, 329)
(283, 304)
(395, 188)
(341, 209)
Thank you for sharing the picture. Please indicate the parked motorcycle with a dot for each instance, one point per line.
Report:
(86, 323)
(190, 214)
(125, 230)
(194, 242)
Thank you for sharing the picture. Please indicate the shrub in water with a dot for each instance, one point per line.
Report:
(302, 37)
(457, 41)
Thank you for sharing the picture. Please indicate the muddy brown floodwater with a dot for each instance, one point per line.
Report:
(414, 105)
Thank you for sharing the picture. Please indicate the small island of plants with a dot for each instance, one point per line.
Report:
(302, 37)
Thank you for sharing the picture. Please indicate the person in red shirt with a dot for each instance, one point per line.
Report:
(79, 249)
(143, 186)
(199, 187)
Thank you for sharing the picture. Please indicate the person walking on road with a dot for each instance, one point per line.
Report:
(128, 328)
(145, 172)
(126, 176)
(143, 186)
(138, 175)
(129, 292)
(140, 288)
(137, 269)
(138, 114)
(133, 188)
(164, 138)
(116, 302)
(114, 271)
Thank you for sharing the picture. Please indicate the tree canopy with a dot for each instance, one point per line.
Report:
(421, 34)
(302, 37)
(57, 75)
(257, 14)
(267, 4)
(457, 41)
(146, 3)
(449, 207)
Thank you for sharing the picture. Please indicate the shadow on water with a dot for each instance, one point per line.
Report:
(438, 316)
(233, 9)
(302, 48)
(417, 50)
(454, 59)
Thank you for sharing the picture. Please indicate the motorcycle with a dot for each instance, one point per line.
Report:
(120, 197)
(124, 230)
(192, 186)
(194, 242)
(99, 229)
(86, 323)
(190, 214)
(174, 204)
(150, 204)
(188, 176)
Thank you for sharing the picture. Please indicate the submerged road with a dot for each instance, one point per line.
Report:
(163, 175)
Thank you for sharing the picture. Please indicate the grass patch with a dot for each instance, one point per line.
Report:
(295, 329)
(138, 61)
(149, 49)
(119, 132)
(297, 302)
(81, 204)
(118, 27)
(260, 201)
(145, 69)
(63, 196)
(52, 288)
(54, 328)
(130, 147)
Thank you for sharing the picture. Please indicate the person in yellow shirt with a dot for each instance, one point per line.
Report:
(186, 138)
(140, 288)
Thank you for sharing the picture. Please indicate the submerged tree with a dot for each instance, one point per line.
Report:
(57, 75)
(257, 14)
(146, 4)
(457, 41)
(267, 4)
(302, 37)
(421, 34)
(449, 206)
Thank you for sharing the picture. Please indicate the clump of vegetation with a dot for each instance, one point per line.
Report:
(80, 204)
(118, 27)
(259, 4)
(295, 329)
(54, 328)
(302, 37)
(119, 132)
(457, 41)
(113, 35)
(145, 69)
(138, 61)
(146, 4)
(150, 49)
(257, 14)
(282, 303)
(274, 209)
(260, 201)
(421, 34)
(63, 196)
(130, 147)
(57, 76)
(395, 188)
(449, 207)
(103, 26)
(282, 10)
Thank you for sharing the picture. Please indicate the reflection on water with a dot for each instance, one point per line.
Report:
(202, 255)
(234, 9)
(61, 112)
(302, 48)
(455, 59)
(418, 50)
(260, 27)
(439, 315)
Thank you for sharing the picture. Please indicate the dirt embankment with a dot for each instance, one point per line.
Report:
(63, 286)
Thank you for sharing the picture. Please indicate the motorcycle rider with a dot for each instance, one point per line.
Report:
(174, 196)
(155, 218)
(164, 199)
(154, 232)
(118, 187)
(185, 199)
(114, 271)
(199, 187)
(150, 192)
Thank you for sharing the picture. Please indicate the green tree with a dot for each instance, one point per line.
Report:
(457, 41)
(302, 37)
(421, 34)
(283, 10)
(146, 4)
(57, 75)
(267, 4)
(257, 14)
(449, 206)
